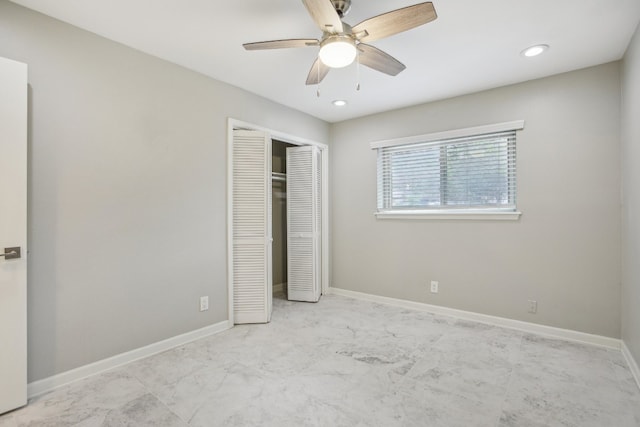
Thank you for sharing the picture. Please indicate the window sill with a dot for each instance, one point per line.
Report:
(452, 215)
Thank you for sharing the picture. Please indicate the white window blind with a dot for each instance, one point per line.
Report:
(460, 173)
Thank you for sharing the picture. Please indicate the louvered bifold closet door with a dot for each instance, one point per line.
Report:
(303, 223)
(252, 282)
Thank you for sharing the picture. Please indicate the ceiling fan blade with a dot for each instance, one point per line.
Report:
(281, 44)
(324, 15)
(378, 60)
(395, 22)
(318, 72)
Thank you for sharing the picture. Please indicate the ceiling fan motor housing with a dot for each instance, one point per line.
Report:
(342, 6)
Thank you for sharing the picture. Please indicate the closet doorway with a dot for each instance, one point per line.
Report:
(277, 220)
(279, 215)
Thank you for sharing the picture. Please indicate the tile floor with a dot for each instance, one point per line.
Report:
(344, 362)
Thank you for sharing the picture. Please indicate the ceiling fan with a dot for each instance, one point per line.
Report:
(341, 43)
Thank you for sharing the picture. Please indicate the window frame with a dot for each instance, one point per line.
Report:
(497, 213)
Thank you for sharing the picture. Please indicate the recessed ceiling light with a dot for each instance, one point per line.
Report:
(339, 102)
(535, 50)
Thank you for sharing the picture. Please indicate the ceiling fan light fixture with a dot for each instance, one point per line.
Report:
(337, 51)
(535, 50)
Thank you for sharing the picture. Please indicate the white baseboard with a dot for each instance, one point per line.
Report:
(633, 365)
(279, 287)
(47, 384)
(533, 328)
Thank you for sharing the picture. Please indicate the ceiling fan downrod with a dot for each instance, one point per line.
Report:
(342, 7)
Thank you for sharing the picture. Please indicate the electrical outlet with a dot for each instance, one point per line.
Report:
(434, 287)
(533, 306)
(204, 303)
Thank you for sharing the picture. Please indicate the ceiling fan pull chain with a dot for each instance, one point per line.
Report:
(358, 70)
(318, 69)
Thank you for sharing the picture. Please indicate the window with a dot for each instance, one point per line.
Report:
(456, 172)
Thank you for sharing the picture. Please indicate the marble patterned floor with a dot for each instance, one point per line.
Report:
(345, 362)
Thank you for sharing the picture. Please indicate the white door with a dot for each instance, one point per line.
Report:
(251, 215)
(304, 223)
(13, 234)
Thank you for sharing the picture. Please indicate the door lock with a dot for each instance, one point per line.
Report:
(11, 253)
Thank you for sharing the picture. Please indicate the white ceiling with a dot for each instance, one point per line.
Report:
(472, 46)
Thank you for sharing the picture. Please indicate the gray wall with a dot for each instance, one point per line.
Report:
(564, 252)
(127, 225)
(631, 197)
